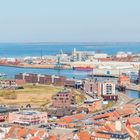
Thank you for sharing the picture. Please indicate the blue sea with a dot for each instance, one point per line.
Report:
(20, 50)
(36, 49)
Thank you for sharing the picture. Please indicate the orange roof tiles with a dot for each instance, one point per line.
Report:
(18, 132)
(123, 77)
(126, 111)
(32, 131)
(110, 127)
(131, 131)
(107, 128)
(22, 132)
(83, 135)
(35, 138)
(53, 137)
(108, 115)
(41, 133)
(99, 135)
(134, 120)
(70, 119)
(10, 133)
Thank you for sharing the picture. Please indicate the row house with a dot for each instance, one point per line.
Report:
(58, 80)
(42, 79)
(45, 79)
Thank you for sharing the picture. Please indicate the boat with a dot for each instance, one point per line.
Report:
(2, 74)
(83, 68)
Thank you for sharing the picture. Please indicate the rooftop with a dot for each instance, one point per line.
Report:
(29, 112)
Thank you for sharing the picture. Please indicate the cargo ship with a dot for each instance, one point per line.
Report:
(83, 68)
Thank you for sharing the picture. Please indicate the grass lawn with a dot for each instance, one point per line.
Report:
(38, 94)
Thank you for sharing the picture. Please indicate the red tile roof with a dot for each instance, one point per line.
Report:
(35, 138)
(40, 133)
(107, 127)
(113, 115)
(32, 131)
(126, 111)
(53, 137)
(131, 131)
(70, 119)
(99, 135)
(10, 133)
(18, 132)
(134, 120)
(22, 132)
(83, 135)
(110, 127)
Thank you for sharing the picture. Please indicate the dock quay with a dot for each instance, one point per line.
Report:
(103, 75)
(133, 87)
(35, 66)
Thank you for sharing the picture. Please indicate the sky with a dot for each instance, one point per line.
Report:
(69, 20)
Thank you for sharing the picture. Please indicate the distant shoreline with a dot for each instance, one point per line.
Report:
(71, 43)
(35, 66)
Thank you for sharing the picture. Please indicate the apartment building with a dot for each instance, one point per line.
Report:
(90, 86)
(28, 117)
(64, 98)
(11, 83)
(42, 79)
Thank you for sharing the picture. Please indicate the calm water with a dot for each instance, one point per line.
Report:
(22, 50)
(11, 71)
(133, 94)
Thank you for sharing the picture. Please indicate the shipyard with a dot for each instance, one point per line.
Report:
(78, 60)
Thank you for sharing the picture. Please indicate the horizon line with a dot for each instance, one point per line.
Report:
(72, 42)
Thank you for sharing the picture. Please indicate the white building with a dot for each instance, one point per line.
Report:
(108, 88)
(8, 84)
(81, 55)
(123, 54)
(100, 55)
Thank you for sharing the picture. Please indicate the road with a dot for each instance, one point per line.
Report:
(123, 99)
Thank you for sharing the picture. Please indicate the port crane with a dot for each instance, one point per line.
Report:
(58, 63)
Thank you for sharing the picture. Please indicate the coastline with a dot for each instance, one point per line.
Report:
(37, 66)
